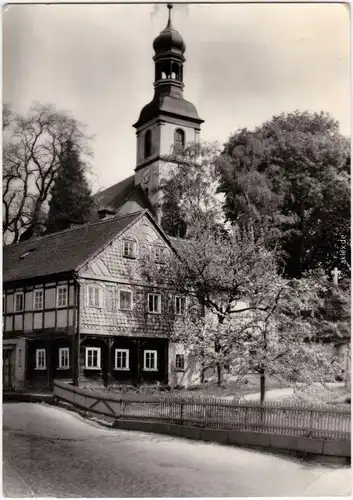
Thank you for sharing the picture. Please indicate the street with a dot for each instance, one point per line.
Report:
(52, 452)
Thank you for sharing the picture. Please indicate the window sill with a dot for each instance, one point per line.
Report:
(131, 257)
(150, 369)
(155, 313)
(122, 369)
(40, 369)
(92, 368)
(63, 368)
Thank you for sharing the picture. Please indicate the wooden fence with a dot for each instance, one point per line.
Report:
(316, 421)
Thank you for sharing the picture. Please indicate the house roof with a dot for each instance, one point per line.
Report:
(115, 196)
(63, 251)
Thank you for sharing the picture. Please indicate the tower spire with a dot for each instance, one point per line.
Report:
(169, 6)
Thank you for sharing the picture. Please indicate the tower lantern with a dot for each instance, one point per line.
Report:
(169, 57)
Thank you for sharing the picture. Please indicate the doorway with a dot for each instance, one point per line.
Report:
(8, 368)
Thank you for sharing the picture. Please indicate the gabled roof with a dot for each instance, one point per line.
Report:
(115, 196)
(63, 251)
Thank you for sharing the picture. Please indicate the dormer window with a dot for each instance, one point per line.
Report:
(24, 255)
(179, 140)
(148, 144)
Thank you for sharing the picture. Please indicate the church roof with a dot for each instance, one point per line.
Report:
(63, 251)
(117, 195)
(170, 106)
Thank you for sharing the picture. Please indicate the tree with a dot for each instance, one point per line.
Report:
(289, 178)
(33, 147)
(253, 317)
(189, 192)
(71, 200)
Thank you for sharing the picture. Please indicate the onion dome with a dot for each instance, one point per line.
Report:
(169, 39)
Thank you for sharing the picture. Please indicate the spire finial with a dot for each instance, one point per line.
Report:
(170, 6)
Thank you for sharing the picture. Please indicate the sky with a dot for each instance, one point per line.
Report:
(244, 64)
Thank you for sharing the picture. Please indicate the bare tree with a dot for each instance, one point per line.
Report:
(33, 147)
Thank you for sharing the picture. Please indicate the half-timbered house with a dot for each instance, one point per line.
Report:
(77, 308)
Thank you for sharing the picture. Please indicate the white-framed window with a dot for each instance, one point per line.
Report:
(122, 359)
(129, 249)
(93, 358)
(180, 305)
(64, 358)
(61, 296)
(125, 300)
(38, 297)
(159, 253)
(180, 362)
(150, 361)
(154, 303)
(19, 302)
(94, 298)
(41, 363)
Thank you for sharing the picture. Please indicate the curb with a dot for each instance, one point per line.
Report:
(307, 448)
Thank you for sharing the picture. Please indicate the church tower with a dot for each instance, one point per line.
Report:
(169, 120)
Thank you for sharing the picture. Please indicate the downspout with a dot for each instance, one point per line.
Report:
(77, 325)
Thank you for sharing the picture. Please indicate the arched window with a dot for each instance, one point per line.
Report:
(148, 144)
(179, 139)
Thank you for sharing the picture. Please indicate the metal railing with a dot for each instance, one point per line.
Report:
(316, 421)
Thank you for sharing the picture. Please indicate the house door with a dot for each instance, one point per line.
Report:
(8, 369)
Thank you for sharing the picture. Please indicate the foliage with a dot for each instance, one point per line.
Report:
(71, 200)
(289, 179)
(33, 147)
(189, 192)
(253, 317)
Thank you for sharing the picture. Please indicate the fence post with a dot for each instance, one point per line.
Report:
(181, 412)
(311, 421)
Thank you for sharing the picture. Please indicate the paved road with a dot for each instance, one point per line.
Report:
(51, 452)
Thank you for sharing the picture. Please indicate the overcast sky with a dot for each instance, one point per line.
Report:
(245, 63)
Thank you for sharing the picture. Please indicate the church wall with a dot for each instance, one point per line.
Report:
(167, 136)
(155, 130)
